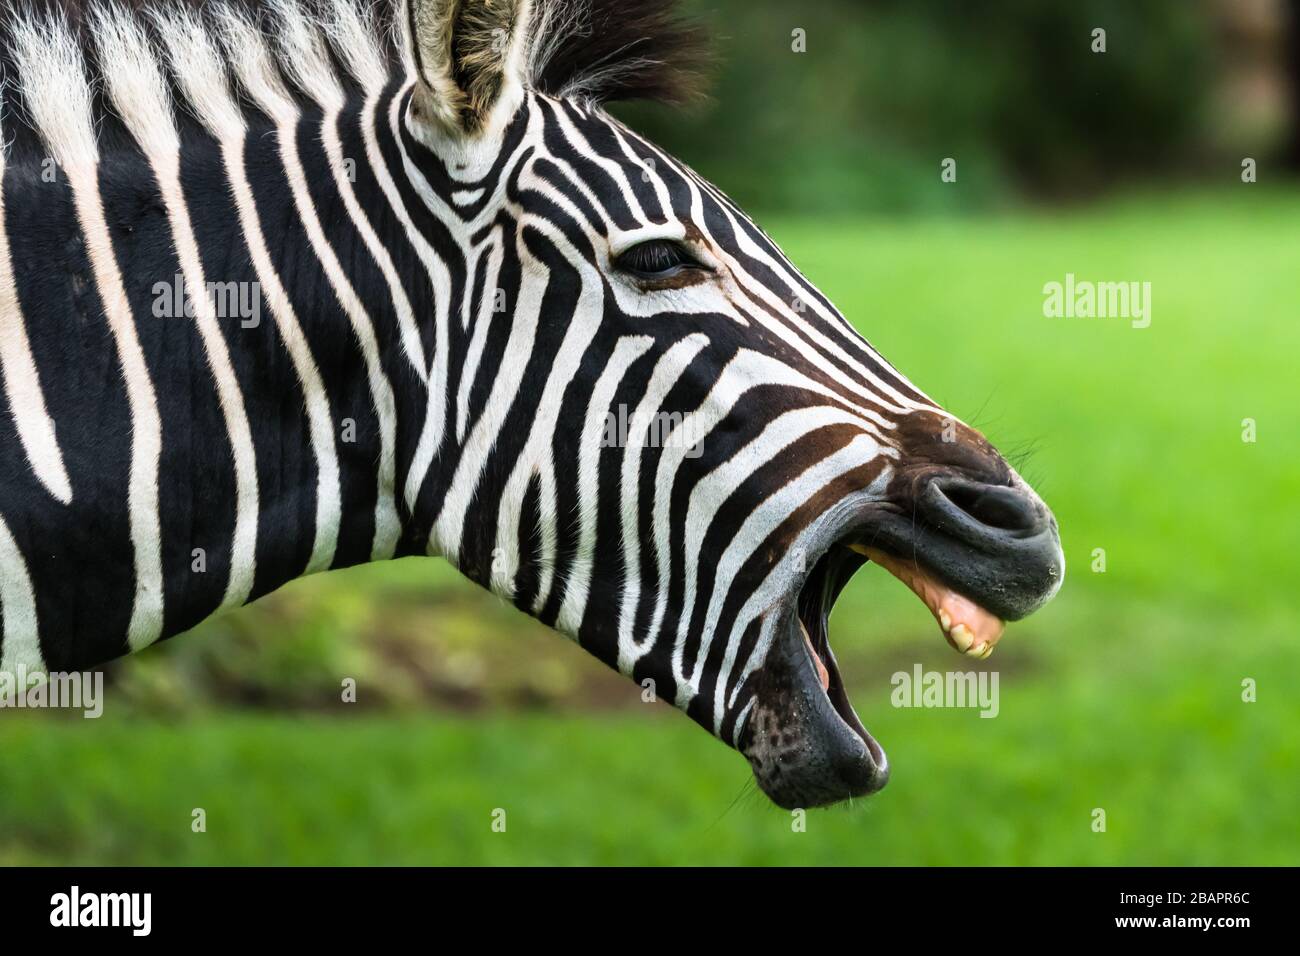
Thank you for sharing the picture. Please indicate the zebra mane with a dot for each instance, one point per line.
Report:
(610, 50)
(308, 51)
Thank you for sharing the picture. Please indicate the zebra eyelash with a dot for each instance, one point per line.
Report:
(661, 263)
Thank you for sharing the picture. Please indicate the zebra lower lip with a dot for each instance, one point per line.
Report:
(816, 599)
(805, 743)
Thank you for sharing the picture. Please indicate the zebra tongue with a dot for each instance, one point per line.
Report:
(968, 627)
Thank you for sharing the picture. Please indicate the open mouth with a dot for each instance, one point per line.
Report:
(976, 555)
(970, 628)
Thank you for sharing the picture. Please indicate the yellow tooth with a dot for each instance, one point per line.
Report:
(962, 637)
(985, 650)
(945, 621)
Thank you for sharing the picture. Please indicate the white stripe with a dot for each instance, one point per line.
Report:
(22, 645)
(614, 169)
(491, 257)
(354, 33)
(449, 528)
(648, 172)
(739, 727)
(590, 444)
(582, 328)
(58, 98)
(548, 535)
(411, 342)
(21, 380)
(435, 418)
(667, 371)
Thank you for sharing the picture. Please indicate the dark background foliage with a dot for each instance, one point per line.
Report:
(888, 88)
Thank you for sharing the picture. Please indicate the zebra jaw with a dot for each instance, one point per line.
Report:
(969, 628)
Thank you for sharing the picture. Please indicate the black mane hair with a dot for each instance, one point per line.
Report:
(613, 50)
(597, 50)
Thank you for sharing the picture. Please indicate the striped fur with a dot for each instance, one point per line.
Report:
(444, 339)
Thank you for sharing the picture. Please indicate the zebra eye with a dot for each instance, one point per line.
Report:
(657, 259)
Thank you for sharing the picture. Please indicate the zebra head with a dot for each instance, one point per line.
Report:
(692, 451)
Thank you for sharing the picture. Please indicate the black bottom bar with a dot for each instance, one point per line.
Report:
(331, 906)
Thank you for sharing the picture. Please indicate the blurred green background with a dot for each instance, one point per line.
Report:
(1125, 694)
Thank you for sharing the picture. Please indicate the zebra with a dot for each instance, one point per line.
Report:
(292, 285)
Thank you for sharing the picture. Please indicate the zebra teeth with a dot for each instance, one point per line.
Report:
(961, 638)
(969, 628)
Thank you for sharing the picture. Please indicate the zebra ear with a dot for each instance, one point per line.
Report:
(470, 58)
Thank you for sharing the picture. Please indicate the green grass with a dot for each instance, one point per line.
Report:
(1123, 695)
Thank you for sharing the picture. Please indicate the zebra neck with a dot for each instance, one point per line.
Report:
(330, 370)
(230, 369)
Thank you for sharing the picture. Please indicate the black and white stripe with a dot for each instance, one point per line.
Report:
(298, 148)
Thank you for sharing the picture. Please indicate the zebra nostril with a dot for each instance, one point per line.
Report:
(995, 506)
(983, 512)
